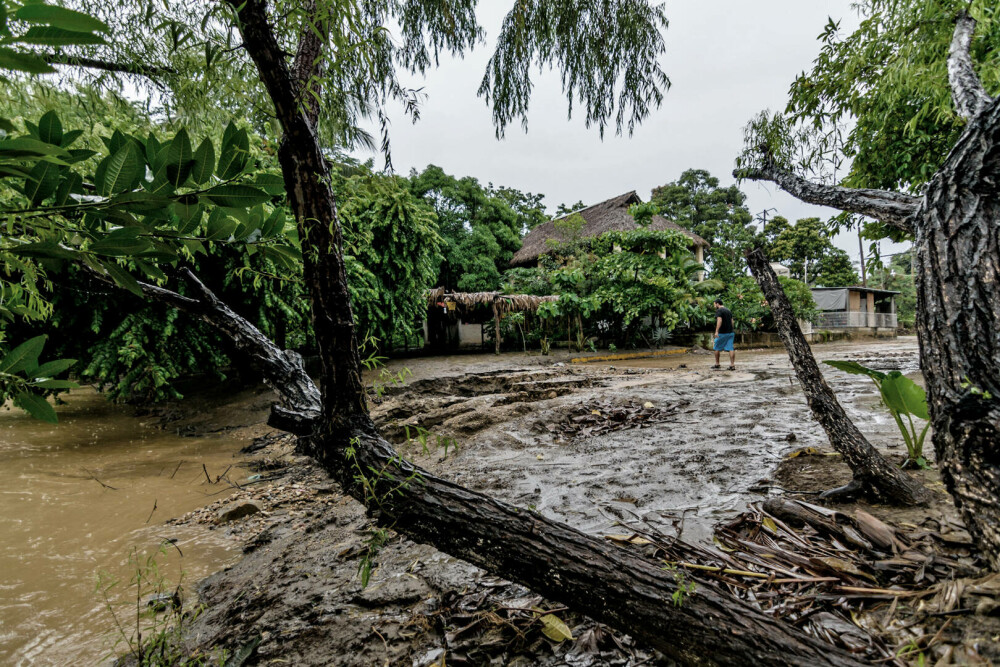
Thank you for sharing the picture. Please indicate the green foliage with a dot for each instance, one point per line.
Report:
(24, 26)
(696, 202)
(393, 236)
(904, 398)
(750, 310)
(806, 249)
(480, 227)
(28, 381)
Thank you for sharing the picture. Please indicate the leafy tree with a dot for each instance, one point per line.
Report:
(393, 235)
(806, 249)
(696, 202)
(480, 229)
(745, 300)
(566, 209)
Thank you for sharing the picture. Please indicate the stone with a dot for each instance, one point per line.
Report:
(238, 510)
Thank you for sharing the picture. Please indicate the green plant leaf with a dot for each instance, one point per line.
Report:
(50, 36)
(854, 368)
(55, 384)
(29, 147)
(179, 160)
(44, 250)
(119, 247)
(53, 368)
(272, 184)
(234, 155)
(124, 169)
(220, 226)
(236, 196)
(23, 62)
(60, 17)
(50, 129)
(204, 162)
(122, 278)
(42, 182)
(36, 406)
(24, 356)
(905, 396)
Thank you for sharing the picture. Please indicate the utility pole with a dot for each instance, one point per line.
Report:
(861, 249)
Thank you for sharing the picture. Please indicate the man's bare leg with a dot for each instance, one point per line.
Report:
(717, 353)
(732, 359)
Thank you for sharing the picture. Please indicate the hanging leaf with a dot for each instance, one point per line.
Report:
(42, 182)
(122, 278)
(234, 155)
(274, 224)
(272, 184)
(36, 406)
(49, 36)
(220, 226)
(60, 17)
(119, 247)
(236, 196)
(24, 356)
(23, 62)
(53, 368)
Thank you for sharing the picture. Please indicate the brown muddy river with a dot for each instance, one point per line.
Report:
(60, 527)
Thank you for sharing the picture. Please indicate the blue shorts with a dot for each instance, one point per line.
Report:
(724, 342)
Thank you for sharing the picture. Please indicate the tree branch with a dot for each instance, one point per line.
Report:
(309, 60)
(891, 208)
(148, 71)
(967, 90)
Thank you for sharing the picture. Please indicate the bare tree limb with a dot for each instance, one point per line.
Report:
(891, 208)
(310, 61)
(148, 71)
(967, 90)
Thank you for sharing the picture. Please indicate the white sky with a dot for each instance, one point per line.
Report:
(727, 60)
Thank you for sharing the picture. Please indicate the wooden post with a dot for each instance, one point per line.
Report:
(496, 325)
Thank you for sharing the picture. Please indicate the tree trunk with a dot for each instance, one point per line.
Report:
(958, 324)
(873, 474)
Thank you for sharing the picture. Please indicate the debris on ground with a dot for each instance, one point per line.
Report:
(600, 417)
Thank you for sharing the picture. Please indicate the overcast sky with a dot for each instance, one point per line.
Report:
(727, 60)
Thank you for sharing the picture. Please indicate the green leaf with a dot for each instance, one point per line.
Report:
(236, 196)
(121, 246)
(55, 384)
(854, 368)
(234, 156)
(272, 184)
(49, 36)
(125, 168)
(185, 207)
(179, 162)
(36, 406)
(23, 62)
(60, 17)
(204, 162)
(24, 356)
(220, 226)
(69, 137)
(122, 278)
(28, 147)
(904, 396)
(42, 182)
(50, 129)
(43, 250)
(274, 224)
(7, 126)
(151, 270)
(53, 368)
(68, 185)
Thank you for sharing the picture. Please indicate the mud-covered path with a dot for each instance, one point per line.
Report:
(726, 433)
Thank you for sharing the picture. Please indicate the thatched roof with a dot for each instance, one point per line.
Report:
(505, 303)
(608, 216)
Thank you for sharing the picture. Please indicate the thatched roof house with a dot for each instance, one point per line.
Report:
(608, 216)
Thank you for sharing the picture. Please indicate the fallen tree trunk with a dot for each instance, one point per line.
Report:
(874, 476)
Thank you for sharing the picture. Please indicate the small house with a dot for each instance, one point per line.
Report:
(858, 309)
(607, 216)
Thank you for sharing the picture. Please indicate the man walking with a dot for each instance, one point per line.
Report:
(724, 336)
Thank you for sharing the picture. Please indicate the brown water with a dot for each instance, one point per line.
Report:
(59, 527)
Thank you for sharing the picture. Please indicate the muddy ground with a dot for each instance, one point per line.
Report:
(666, 440)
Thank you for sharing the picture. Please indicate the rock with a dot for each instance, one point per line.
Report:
(238, 510)
(790, 437)
(324, 489)
(553, 394)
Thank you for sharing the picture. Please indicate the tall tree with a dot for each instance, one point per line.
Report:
(957, 251)
(718, 214)
(806, 249)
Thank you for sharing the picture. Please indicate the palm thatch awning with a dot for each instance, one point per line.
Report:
(608, 216)
(504, 303)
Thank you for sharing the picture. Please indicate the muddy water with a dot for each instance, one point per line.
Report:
(59, 526)
(730, 431)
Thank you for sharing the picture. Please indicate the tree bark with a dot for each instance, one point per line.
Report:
(957, 257)
(873, 474)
